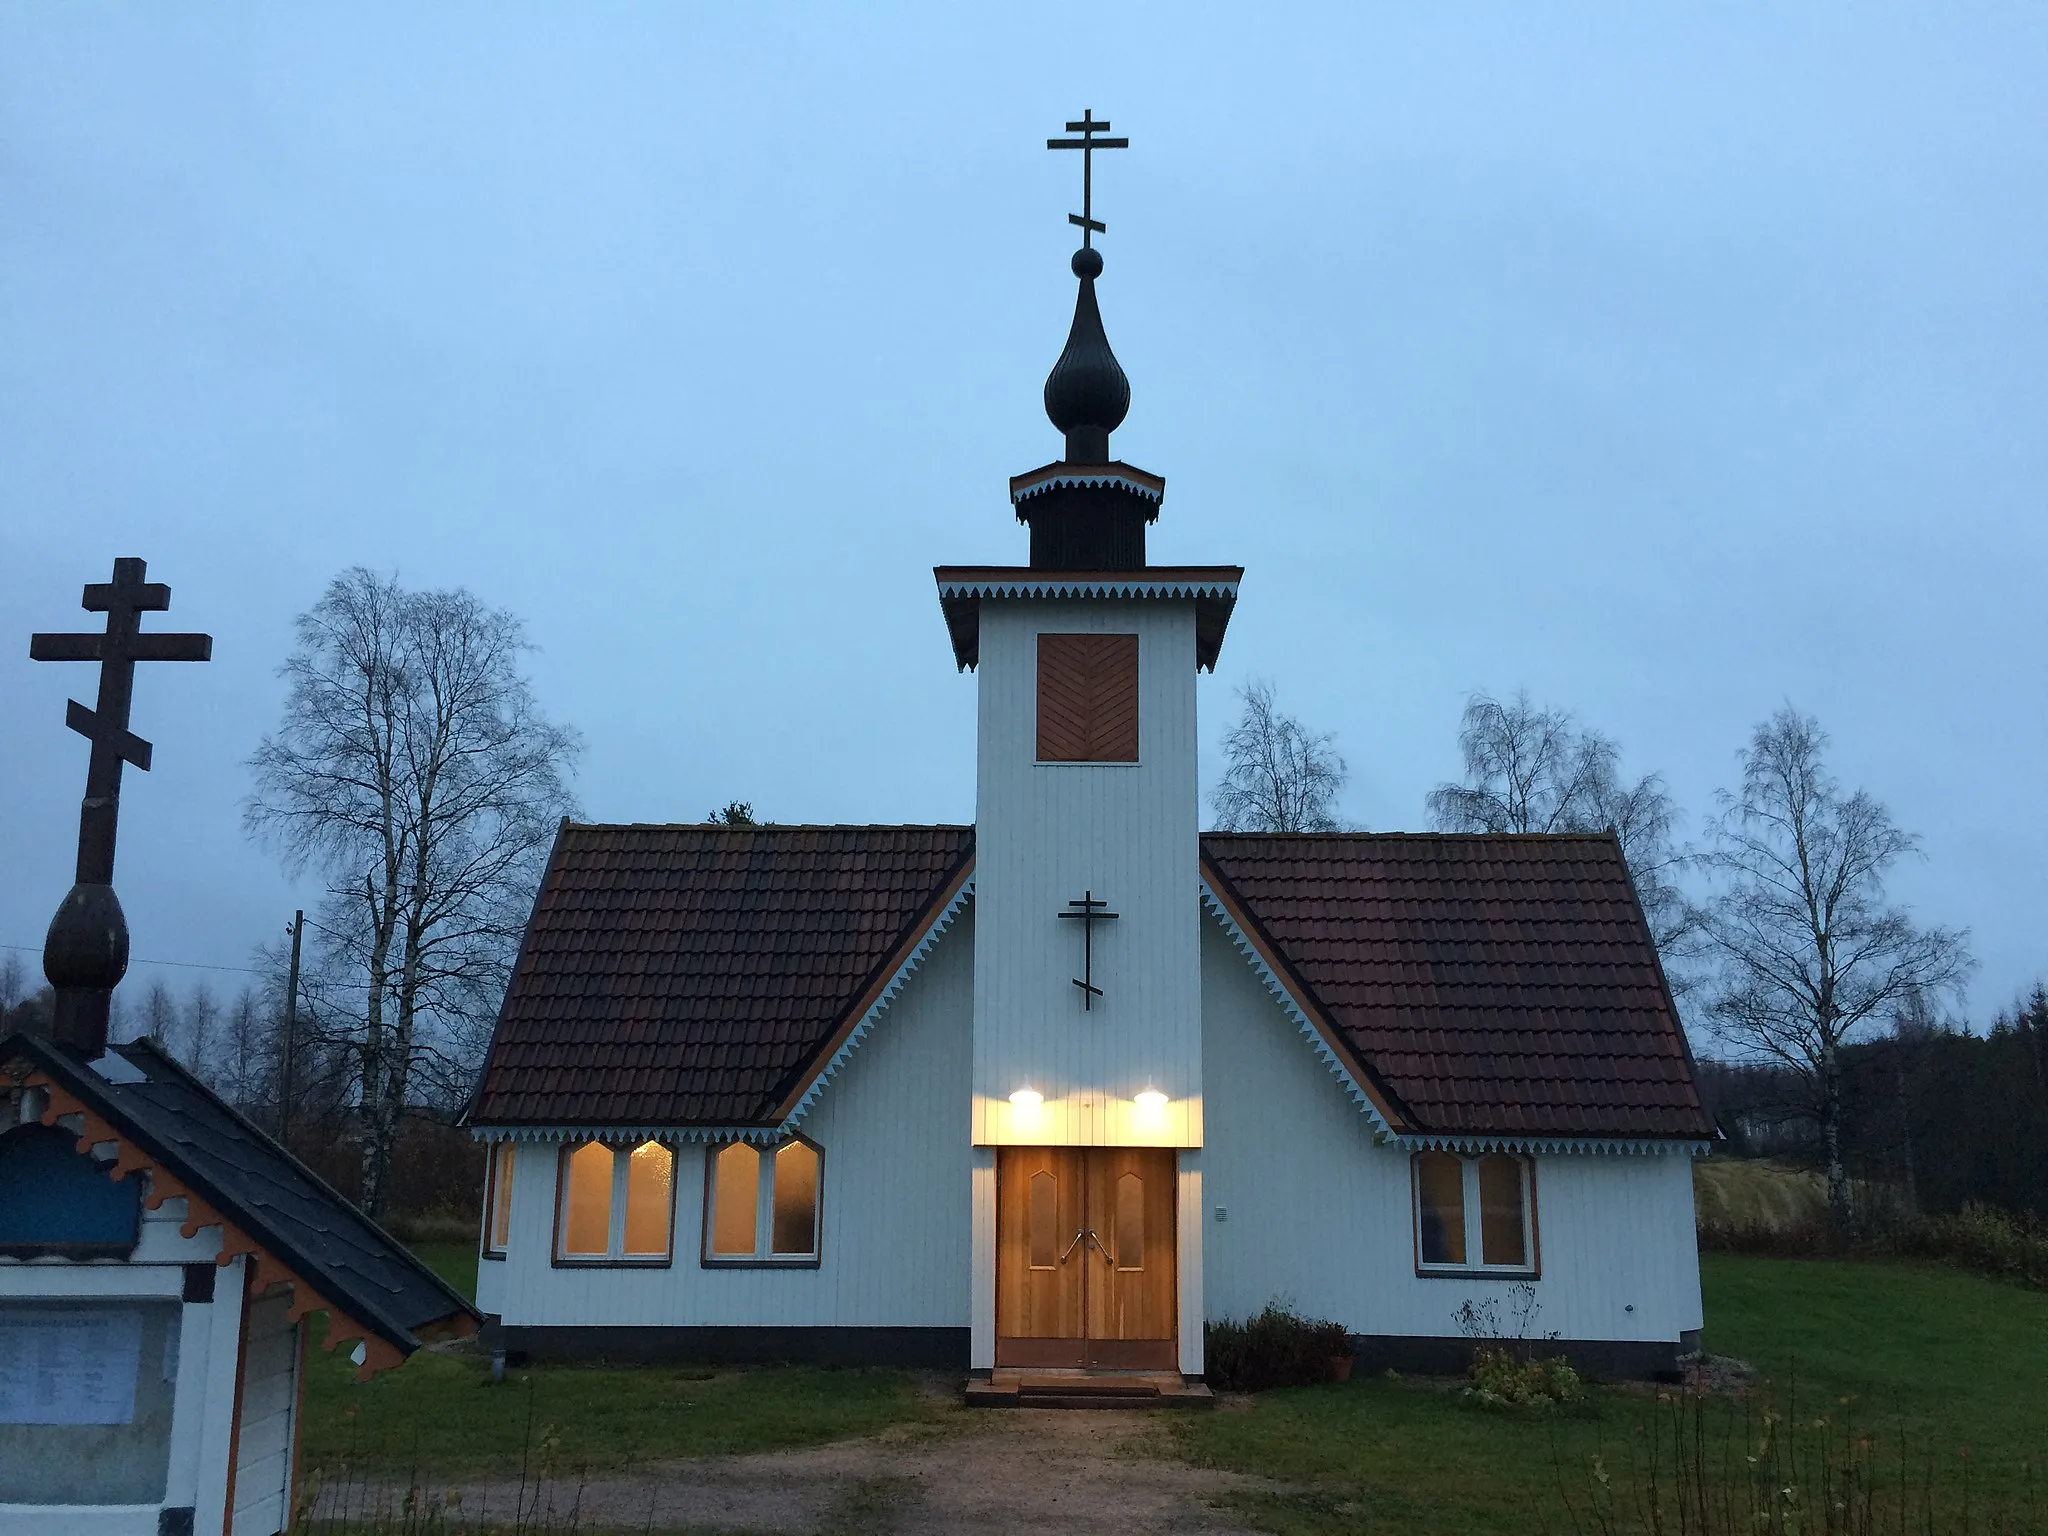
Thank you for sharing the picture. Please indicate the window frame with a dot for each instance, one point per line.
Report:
(764, 1255)
(1475, 1246)
(614, 1256)
(505, 1149)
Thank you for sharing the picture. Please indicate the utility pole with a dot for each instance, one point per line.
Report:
(291, 1035)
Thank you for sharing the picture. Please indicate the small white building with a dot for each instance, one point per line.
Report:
(1052, 1090)
(158, 1259)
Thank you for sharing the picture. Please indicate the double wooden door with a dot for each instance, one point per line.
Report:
(1085, 1248)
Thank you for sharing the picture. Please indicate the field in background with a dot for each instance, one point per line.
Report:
(1732, 1195)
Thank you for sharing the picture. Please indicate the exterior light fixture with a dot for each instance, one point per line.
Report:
(1151, 1101)
(1027, 1099)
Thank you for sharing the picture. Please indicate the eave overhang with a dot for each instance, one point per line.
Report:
(963, 588)
(72, 1093)
(1115, 475)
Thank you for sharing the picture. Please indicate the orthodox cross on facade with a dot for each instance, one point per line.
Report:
(86, 951)
(1088, 143)
(1089, 912)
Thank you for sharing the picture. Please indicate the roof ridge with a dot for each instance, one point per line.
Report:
(770, 826)
(1430, 837)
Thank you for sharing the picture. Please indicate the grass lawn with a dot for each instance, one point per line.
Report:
(1932, 1358)
(441, 1416)
(454, 1262)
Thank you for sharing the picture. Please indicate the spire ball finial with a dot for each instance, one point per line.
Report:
(1087, 262)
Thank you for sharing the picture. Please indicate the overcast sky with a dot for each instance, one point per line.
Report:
(1674, 362)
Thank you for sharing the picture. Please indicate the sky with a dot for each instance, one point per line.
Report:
(1675, 363)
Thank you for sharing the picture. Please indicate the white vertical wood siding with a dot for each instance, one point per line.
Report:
(1188, 1236)
(897, 1198)
(1046, 832)
(1319, 1216)
(263, 1448)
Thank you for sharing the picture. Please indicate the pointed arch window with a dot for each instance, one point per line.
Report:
(616, 1205)
(762, 1205)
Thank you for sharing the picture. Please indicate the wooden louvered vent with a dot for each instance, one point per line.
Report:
(1087, 698)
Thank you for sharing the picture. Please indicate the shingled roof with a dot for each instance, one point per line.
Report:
(1480, 985)
(232, 1175)
(687, 975)
(1495, 984)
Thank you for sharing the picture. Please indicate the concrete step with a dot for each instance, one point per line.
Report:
(1087, 1389)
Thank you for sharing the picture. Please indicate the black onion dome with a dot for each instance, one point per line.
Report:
(1087, 394)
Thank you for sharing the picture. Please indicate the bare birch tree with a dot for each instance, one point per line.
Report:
(1278, 775)
(159, 1014)
(415, 770)
(1810, 954)
(1531, 769)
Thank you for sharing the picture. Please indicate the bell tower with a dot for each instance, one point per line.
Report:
(1087, 1076)
(1087, 969)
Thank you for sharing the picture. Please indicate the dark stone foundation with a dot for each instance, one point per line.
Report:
(938, 1349)
(1595, 1359)
(946, 1349)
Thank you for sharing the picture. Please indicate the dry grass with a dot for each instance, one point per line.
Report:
(1732, 1195)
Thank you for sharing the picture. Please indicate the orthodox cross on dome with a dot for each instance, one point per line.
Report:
(86, 951)
(123, 600)
(1088, 143)
(1089, 911)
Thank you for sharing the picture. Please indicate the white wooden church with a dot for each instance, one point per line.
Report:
(1049, 1091)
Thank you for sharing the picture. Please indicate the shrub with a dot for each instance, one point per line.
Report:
(1982, 1237)
(1277, 1348)
(1979, 1237)
(1501, 1378)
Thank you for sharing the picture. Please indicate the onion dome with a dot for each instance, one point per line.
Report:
(1087, 395)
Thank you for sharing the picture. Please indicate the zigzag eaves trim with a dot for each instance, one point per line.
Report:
(1613, 1146)
(1291, 1006)
(888, 995)
(1057, 588)
(1429, 1142)
(1060, 482)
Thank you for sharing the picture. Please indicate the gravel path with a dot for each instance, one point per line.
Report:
(997, 1472)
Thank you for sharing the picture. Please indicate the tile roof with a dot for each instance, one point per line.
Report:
(1496, 984)
(679, 975)
(1488, 985)
(269, 1194)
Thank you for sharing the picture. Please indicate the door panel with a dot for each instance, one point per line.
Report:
(1040, 1194)
(1085, 1257)
(1132, 1304)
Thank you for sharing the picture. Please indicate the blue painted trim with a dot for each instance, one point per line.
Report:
(888, 995)
(1292, 1007)
(765, 1134)
(1053, 587)
(629, 1135)
(1554, 1145)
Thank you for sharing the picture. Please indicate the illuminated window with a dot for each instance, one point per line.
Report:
(617, 1204)
(1475, 1213)
(498, 1201)
(650, 1200)
(761, 1204)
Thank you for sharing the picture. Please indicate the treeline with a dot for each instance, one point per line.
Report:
(294, 1073)
(1934, 1117)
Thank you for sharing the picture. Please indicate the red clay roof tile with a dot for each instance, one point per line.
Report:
(1496, 984)
(1492, 985)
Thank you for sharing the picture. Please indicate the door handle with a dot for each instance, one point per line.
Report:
(1085, 1232)
(1102, 1248)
